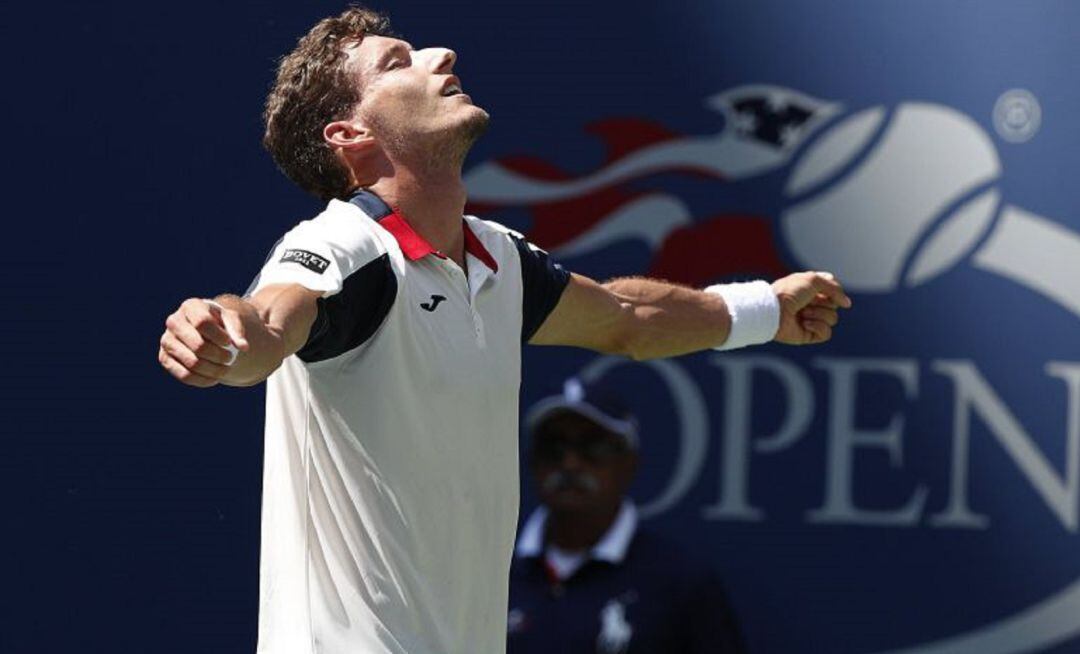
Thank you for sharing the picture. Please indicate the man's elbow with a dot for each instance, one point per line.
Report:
(627, 336)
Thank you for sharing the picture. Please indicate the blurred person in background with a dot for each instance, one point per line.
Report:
(586, 579)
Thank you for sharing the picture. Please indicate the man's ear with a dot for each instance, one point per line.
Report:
(349, 137)
(355, 147)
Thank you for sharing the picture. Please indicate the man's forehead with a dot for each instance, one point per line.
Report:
(573, 424)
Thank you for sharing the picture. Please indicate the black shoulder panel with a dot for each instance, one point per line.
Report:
(349, 318)
(543, 282)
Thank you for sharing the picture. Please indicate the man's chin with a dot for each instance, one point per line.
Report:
(451, 140)
(475, 123)
(570, 501)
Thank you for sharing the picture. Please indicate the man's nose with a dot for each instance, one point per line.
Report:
(443, 60)
(571, 459)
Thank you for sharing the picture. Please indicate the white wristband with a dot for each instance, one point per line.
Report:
(230, 347)
(755, 313)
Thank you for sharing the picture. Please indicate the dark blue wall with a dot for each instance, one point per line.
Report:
(131, 503)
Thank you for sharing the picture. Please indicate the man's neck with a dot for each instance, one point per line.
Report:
(576, 531)
(432, 203)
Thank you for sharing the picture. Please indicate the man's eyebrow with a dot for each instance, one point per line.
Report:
(392, 51)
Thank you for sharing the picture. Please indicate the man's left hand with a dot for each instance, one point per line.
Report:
(808, 307)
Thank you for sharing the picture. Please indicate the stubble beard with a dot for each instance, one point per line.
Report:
(440, 150)
(447, 149)
(470, 131)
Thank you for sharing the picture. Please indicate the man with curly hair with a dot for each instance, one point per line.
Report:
(389, 330)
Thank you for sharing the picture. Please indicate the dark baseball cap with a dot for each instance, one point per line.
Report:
(591, 401)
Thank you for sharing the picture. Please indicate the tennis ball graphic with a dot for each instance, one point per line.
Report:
(907, 205)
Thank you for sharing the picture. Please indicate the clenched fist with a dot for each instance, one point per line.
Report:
(200, 342)
(808, 307)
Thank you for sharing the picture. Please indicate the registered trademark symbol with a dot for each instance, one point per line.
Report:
(1017, 115)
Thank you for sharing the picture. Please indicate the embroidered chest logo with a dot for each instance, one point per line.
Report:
(615, 631)
(430, 306)
(309, 260)
(516, 621)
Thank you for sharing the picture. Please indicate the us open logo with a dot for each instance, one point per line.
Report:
(899, 202)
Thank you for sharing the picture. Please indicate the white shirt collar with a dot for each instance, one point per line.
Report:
(611, 547)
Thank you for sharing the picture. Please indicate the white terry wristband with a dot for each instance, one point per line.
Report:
(230, 347)
(755, 313)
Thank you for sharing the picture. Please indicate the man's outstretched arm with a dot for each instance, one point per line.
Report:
(647, 319)
(263, 329)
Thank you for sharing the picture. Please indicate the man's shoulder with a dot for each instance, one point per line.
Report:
(491, 233)
(323, 252)
(501, 241)
(481, 226)
(495, 235)
(343, 216)
(343, 227)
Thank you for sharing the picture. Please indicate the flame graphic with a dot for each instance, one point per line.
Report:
(573, 216)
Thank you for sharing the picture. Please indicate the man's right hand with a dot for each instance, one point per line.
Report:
(264, 328)
(194, 346)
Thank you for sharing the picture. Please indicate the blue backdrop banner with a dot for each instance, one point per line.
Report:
(912, 486)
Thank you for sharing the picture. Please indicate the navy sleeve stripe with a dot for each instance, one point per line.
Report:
(543, 282)
(347, 319)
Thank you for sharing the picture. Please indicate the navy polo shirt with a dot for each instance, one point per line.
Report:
(655, 600)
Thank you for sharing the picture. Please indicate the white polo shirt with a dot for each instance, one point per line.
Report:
(390, 487)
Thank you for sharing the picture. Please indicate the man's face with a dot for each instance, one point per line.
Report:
(410, 99)
(579, 466)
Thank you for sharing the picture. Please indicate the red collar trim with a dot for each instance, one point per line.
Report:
(414, 246)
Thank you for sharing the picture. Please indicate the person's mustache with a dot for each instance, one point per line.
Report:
(562, 480)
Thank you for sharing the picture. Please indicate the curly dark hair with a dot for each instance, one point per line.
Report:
(314, 88)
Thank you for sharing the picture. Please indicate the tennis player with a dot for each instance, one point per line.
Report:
(389, 328)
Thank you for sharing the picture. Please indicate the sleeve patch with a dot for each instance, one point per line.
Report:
(309, 260)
